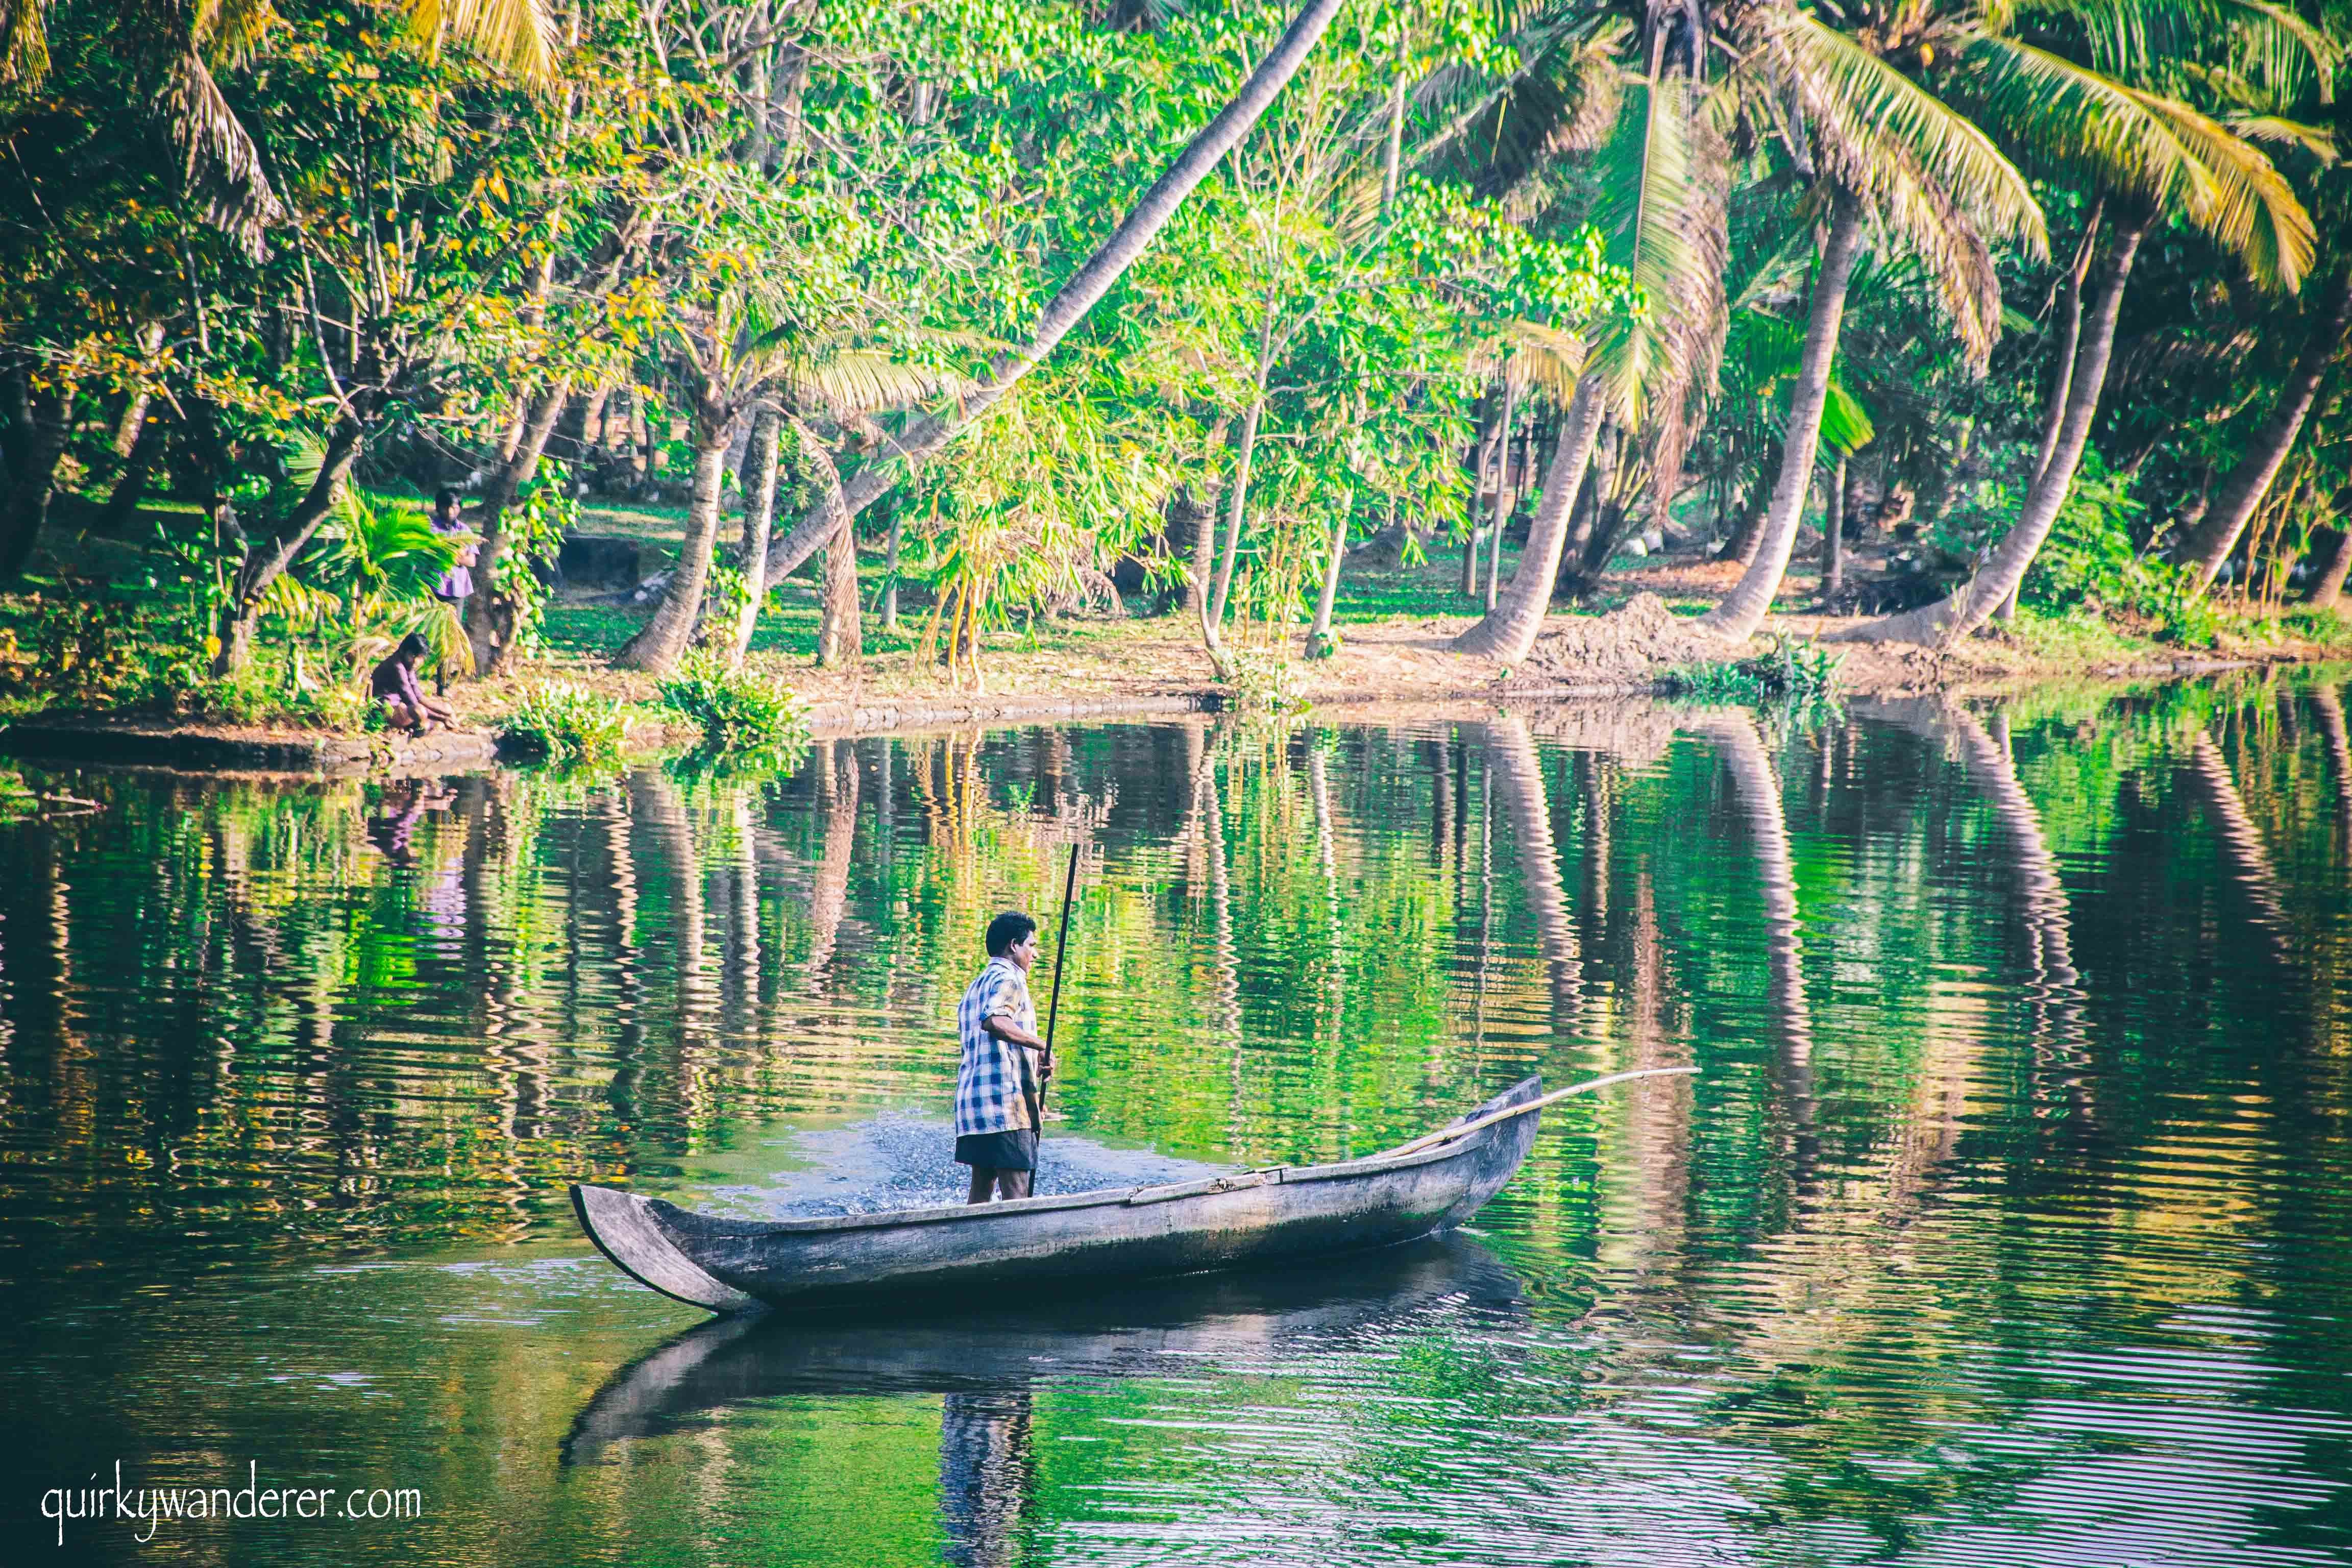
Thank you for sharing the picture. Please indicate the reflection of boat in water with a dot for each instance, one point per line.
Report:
(1184, 1228)
(993, 1347)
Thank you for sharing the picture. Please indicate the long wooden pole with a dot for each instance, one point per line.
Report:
(1053, 1006)
(1446, 1134)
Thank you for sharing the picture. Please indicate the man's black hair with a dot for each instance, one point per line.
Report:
(1007, 929)
(413, 645)
(445, 498)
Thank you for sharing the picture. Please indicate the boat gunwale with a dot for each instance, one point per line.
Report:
(713, 1226)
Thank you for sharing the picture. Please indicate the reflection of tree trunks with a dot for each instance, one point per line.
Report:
(837, 780)
(741, 988)
(628, 1047)
(2242, 842)
(1204, 833)
(1512, 758)
(2056, 995)
(1649, 1232)
(987, 1474)
(1757, 789)
(653, 801)
(1319, 784)
(2329, 704)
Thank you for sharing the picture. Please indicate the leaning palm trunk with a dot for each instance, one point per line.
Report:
(1740, 614)
(840, 636)
(663, 640)
(267, 560)
(2330, 587)
(1081, 293)
(1509, 629)
(2209, 544)
(1948, 620)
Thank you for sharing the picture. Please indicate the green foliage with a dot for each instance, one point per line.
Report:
(1262, 683)
(543, 512)
(1787, 672)
(565, 723)
(2089, 564)
(743, 716)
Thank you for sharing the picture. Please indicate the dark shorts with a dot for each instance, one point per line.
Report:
(1014, 1151)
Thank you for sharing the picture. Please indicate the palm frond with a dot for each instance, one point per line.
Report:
(863, 381)
(518, 35)
(1664, 179)
(2268, 42)
(2157, 149)
(24, 43)
(218, 160)
(2316, 139)
(1889, 131)
(1534, 355)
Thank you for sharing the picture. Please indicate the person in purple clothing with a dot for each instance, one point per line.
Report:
(393, 684)
(456, 584)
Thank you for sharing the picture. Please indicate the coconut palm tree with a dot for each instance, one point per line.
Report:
(1892, 155)
(2151, 157)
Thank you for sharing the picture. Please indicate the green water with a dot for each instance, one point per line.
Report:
(2009, 1221)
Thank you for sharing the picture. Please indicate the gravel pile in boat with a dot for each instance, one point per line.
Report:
(898, 1161)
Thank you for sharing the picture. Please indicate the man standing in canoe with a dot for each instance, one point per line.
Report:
(1005, 1067)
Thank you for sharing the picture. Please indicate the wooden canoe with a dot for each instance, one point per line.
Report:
(1184, 1228)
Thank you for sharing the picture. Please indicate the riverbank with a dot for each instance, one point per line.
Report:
(1396, 631)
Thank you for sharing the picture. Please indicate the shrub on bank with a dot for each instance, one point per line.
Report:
(742, 715)
(563, 723)
(1788, 670)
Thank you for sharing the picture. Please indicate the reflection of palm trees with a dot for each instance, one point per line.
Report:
(2242, 842)
(1757, 790)
(1511, 757)
(2055, 994)
(837, 785)
(2329, 703)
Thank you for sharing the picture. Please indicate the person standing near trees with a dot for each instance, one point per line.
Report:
(1005, 1066)
(456, 584)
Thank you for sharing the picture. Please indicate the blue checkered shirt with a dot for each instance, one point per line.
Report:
(989, 1096)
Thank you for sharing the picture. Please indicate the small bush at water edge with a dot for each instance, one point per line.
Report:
(1788, 670)
(1262, 683)
(741, 715)
(566, 723)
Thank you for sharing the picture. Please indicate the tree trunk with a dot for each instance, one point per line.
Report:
(1212, 609)
(1754, 502)
(36, 431)
(1743, 610)
(840, 638)
(663, 640)
(1085, 289)
(1392, 155)
(890, 574)
(266, 562)
(491, 609)
(2070, 311)
(1509, 631)
(2208, 545)
(131, 486)
(1498, 515)
(1478, 536)
(759, 516)
(2330, 587)
(1833, 536)
(1591, 532)
(1948, 620)
(1319, 641)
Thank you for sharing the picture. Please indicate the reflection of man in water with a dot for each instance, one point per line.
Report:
(1005, 1065)
(404, 805)
(984, 1476)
